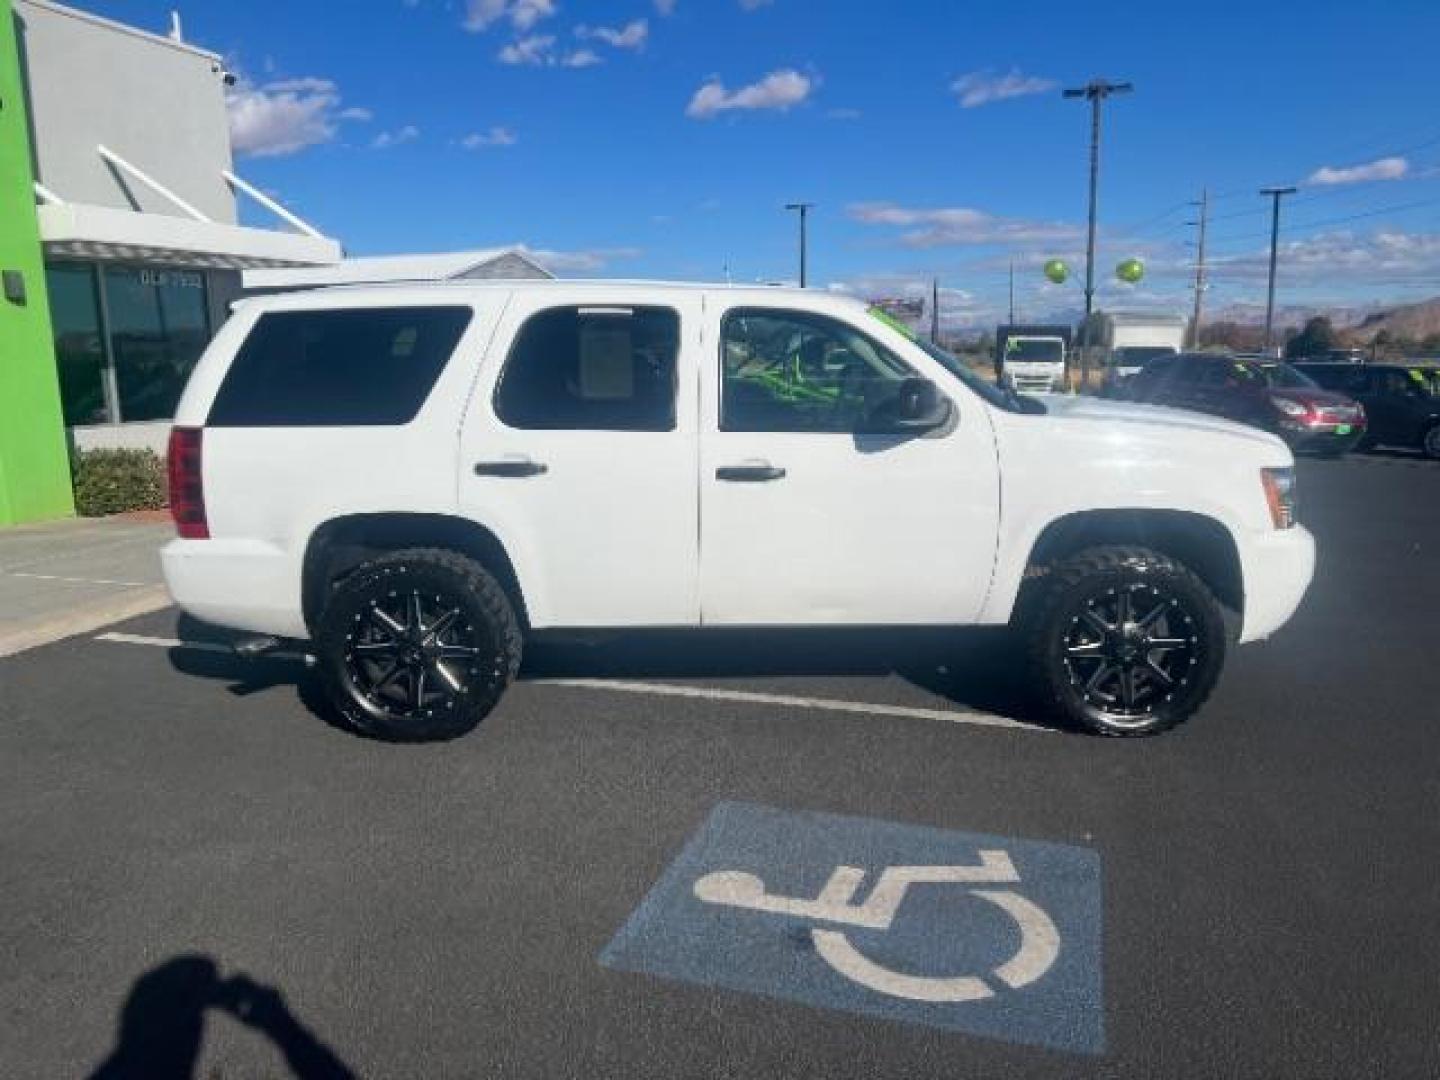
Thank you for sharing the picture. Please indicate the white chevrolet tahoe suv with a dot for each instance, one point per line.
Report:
(416, 477)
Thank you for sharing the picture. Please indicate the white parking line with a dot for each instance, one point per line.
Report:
(746, 697)
(704, 693)
(75, 580)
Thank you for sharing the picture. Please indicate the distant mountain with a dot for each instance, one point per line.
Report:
(1413, 322)
(1248, 314)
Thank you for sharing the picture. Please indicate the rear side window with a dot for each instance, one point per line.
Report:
(361, 367)
(592, 369)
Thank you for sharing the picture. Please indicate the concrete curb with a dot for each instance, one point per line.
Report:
(43, 631)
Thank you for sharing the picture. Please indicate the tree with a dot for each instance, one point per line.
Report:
(1316, 339)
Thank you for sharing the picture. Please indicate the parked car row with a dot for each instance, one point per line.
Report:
(1325, 408)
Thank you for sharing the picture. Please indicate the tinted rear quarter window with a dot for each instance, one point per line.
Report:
(592, 369)
(356, 367)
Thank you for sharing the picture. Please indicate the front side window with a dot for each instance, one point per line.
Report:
(357, 367)
(795, 371)
(592, 369)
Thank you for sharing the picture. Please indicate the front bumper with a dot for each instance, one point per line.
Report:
(1321, 438)
(1278, 568)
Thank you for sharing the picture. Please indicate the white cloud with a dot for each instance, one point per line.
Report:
(496, 136)
(753, 5)
(982, 87)
(521, 14)
(1390, 168)
(1384, 257)
(534, 51)
(586, 261)
(665, 7)
(631, 36)
(356, 113)
(944, 227)
(283, 116)
(386, 139)
(780, 90)
(843, 114)
(582, 58)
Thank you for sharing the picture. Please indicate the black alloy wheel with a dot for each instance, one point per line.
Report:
(418, 645)
(1124, 641)
(1129, 649)
(411, 655)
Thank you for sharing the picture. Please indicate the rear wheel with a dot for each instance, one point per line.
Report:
(1125, 641)
(417, 645)
(1430, 442)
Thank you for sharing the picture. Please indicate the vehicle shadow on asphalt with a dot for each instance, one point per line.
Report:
(978, 669)
(162, 1024)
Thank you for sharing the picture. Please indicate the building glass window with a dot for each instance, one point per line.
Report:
(158, 328)
(79, 348)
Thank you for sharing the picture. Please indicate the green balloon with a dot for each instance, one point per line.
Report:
(1057, 271)
(1130, 271)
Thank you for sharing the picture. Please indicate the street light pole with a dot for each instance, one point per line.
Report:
(1095, 91)
(804, 209)
(1275, 194)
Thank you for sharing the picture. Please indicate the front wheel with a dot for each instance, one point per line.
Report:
(417, 645)
(1125, 641)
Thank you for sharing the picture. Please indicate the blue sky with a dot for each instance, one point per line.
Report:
(661, 138)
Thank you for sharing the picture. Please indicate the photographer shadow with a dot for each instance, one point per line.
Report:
(162, 1024)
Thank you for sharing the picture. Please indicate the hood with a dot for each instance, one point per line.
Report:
(1068, 407)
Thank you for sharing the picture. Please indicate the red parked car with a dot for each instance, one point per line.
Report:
(1267, 394)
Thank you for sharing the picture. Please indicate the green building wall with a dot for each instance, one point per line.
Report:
(34, 460)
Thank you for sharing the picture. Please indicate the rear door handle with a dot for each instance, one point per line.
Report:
(513, 469)
(749, 474)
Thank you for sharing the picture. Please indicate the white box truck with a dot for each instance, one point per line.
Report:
(1133, 340)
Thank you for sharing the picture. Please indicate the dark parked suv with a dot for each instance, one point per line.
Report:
(1265, 394)
(1402, 408)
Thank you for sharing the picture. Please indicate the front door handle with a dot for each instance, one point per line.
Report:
(749, 474)
(513, 469)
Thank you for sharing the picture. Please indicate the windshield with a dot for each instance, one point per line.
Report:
(1285, 377)
(1140, 355)
(951, 363)
(1034, 350)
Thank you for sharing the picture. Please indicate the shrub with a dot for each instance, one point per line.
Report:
(110, 481)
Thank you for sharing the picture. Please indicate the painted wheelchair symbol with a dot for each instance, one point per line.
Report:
(1039, 940)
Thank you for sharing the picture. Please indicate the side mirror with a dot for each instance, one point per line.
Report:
(917, 407)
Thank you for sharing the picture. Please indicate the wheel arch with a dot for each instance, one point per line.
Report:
(1203, 543)
(340, 545)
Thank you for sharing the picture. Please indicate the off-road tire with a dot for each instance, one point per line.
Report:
(1057, 602)
(446, 579)
(1430, 442)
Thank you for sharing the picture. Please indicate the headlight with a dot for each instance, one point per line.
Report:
(1288, 407)
(1279, 487)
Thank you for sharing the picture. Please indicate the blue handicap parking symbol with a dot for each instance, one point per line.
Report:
(982, 934)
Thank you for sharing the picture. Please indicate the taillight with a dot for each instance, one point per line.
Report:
(187, 484)
(1279, 487)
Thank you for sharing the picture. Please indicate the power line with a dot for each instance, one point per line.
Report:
(1322, 223)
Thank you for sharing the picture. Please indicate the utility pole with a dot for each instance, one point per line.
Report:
(1095, 91)
(1204, 205)
(804, 209)
(1275, 194)
(1012, 292)
(935, 311)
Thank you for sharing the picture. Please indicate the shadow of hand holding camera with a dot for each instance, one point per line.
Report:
(162, 1024)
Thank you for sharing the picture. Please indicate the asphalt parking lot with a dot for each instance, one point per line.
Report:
(1251, 895)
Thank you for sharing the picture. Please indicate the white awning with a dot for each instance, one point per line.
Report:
(79, 231)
